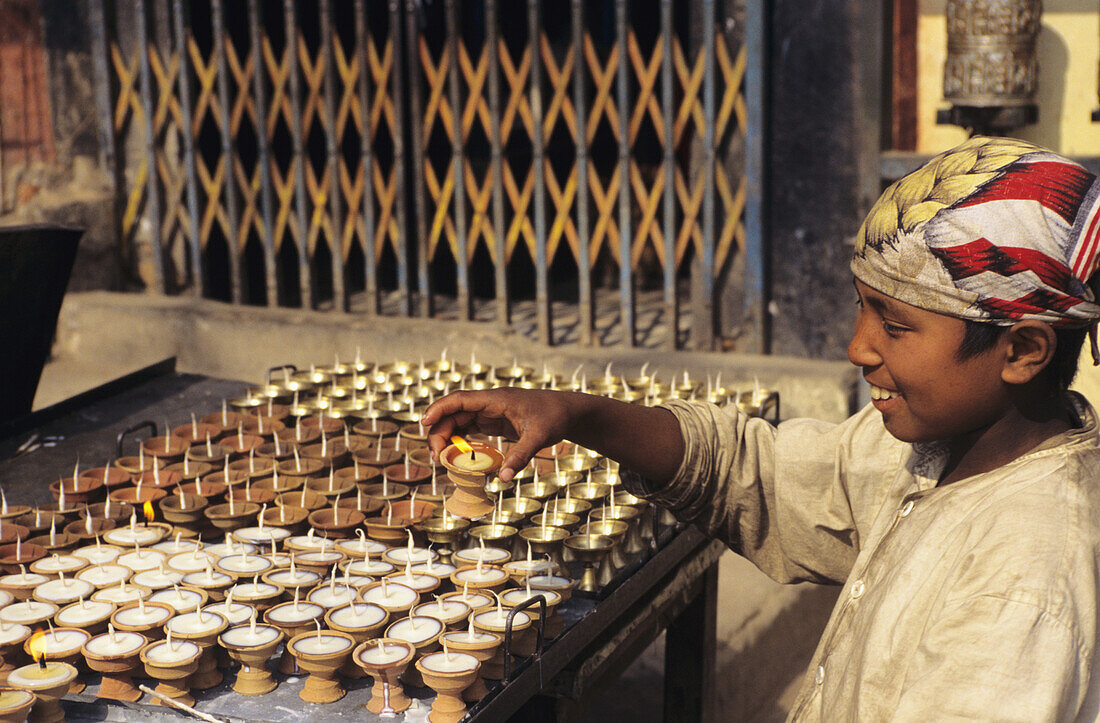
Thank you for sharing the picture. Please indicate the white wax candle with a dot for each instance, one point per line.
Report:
(549, 582)
(98, 554)
(474, 599)
(321, 558)
(35, 676)
(415, 630)
(254, 590)
(486, 575)
(128, 536)
(293, 578)
(23, 579)
(59, 642)
(169, 653)
(262, 535)
(176, 545)
(120, 594)
(207, 578)
(59, 563)
(449, 662)
(321, 644)
(499, 618)
(27, 612)
(383, 653)
(245, 564)
(195, 623)
(308, 542)
(357, 615)
(148, 615)
(105, 575)
(332, 596)
(235, 613)
(140, 560)
(360, 547)
(122, 642)
(64, 591)
(225, 549)
(485, 554)
(447, 611)
(401, 555)
(193, 561)
(476, 461)
(179, 598)
(520, 595)
(370, 568)
(158, 579)
(439, 569)
(288, 614)
(80, 614)
(417, 581)
(10, 632)
(245, 636)
(5, 598)
(392, 595)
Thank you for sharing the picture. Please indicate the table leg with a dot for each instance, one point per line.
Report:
(690, 656)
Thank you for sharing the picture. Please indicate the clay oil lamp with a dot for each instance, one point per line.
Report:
(54, 541)
(375, 427)
(336, 522)
(56, 565)
(177, 544)
(320, 560)
(196, 431)
(453, 613)
(293, 618)
(360, 502)
(296, 436)
(122, 593)
(235, 612)
(482, 553)
(388, 527)
(115, 656)
(35, 523)
(590, 549)
(12, 637)
(469, 467)
(394, 598)
(78, 490)
(109, 510)
(300, 466)
(448, 674)
(321, 654)
(188, 561)
(207, 487)
(330, 487)
(257, 594)
(423, 634)
(142, 558)
(481, 645)
(495, 620)
(329, 452)
(302, 499)
(362, 621)
(413, 510)
(110, 477)
(15, 705)
(525, 644)
(442, 570)
(158, 579)
(385, 660)
(480, 577)
(12, 557)
(276, 450)
(240, 443)
(48, 681)
(265, 534)
(369, 567)
(202, 628)
(360, 547)
(144, 617)
(88, 528)
(212, 582)
(188, 471)
(251, 645)
(104, 575)
(86, 615)
(410, 553)
(60, 645)
(171, 663)
(136, 466)
(562, 587)
(21, 584)
(386, 490)
(231, 515)
(210, 452)
(424, 583)
(380, 455)
(62, 591)
(253, 467)
(10, 532)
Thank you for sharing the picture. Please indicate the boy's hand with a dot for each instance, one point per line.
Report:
(534, 418)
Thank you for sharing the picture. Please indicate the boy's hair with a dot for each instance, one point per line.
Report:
(979, 337)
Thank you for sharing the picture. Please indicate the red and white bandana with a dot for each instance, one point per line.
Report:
(995, 230)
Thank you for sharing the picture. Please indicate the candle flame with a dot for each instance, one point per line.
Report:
(37, 646)
(147, 508)
(462, 444)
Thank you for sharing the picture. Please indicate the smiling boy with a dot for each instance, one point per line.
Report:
(961, 508)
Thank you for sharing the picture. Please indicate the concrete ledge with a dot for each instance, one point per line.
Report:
(127, 331)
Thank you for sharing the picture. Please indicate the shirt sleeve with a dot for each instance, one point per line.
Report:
(791, 498)
(991, 658)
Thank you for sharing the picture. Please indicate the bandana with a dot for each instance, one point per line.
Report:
(995, 230)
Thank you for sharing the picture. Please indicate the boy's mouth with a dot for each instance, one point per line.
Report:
(878, 393)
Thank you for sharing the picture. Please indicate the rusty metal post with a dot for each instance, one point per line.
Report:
(626, 236)
(366, 158)
(305, 275)
(672, 306)
(231, 208)
(263, 155)
(400, 159)
(412, 33)
(500, 268)
(194, 238)
(585, 307)
(152, 198)
(543, 303)
(336, 243)
(458, 198)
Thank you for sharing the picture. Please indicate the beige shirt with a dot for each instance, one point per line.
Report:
(977, 600)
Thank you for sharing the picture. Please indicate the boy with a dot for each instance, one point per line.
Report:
(961, 508)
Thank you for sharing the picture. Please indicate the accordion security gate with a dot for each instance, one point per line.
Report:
(338, 153)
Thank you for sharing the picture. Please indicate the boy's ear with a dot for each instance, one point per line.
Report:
(1029, 348)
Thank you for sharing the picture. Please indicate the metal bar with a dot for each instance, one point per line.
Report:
(757, 30)
(543, 304)
(458, 199)
(98, 26)
(194, 238)
(690, 656)
(585, 308)
(235, 279)
(263, 157)
(366, 157)
(412, 34)
(401, 210)
(336, 245)
(703, 312)
(152, 192)
(626, 276)
(305, 280)
(500, 269)
(672, 305)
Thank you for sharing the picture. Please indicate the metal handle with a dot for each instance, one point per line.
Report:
(541, 600)
(771, 401)
(147, 424)
(272, 370)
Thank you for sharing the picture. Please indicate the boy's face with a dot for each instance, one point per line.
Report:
(908, 356)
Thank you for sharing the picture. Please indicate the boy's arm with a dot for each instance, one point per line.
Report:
(645, 439)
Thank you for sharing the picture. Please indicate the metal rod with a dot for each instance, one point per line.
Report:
(585, 309)
(757, 31)
(336, 243)
(305, 280)
(457, 142)
(187, 132)
(412, 27)
(232, 242)
(366, 157)
(543, 304)
(100, 53)
(500, 269)
(179, 706)
(672, 307)
(400, 207)
(626, 290)
(152, 188)
(703, 327)
(263, 158)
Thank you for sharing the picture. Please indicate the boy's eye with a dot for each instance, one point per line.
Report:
(892, 329)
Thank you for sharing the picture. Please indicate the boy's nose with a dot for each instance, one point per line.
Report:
(860, 351)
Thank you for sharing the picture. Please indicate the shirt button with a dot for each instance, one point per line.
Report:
(906, 509)
(857, 590)
(819, 676)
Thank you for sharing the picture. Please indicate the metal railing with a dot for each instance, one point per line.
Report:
(336, 153)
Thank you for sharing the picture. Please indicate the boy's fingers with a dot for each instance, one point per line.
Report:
(519, 456)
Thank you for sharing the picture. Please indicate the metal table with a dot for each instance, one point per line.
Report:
(674, 588)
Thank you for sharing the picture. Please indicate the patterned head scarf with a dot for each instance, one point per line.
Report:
(995, 230)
